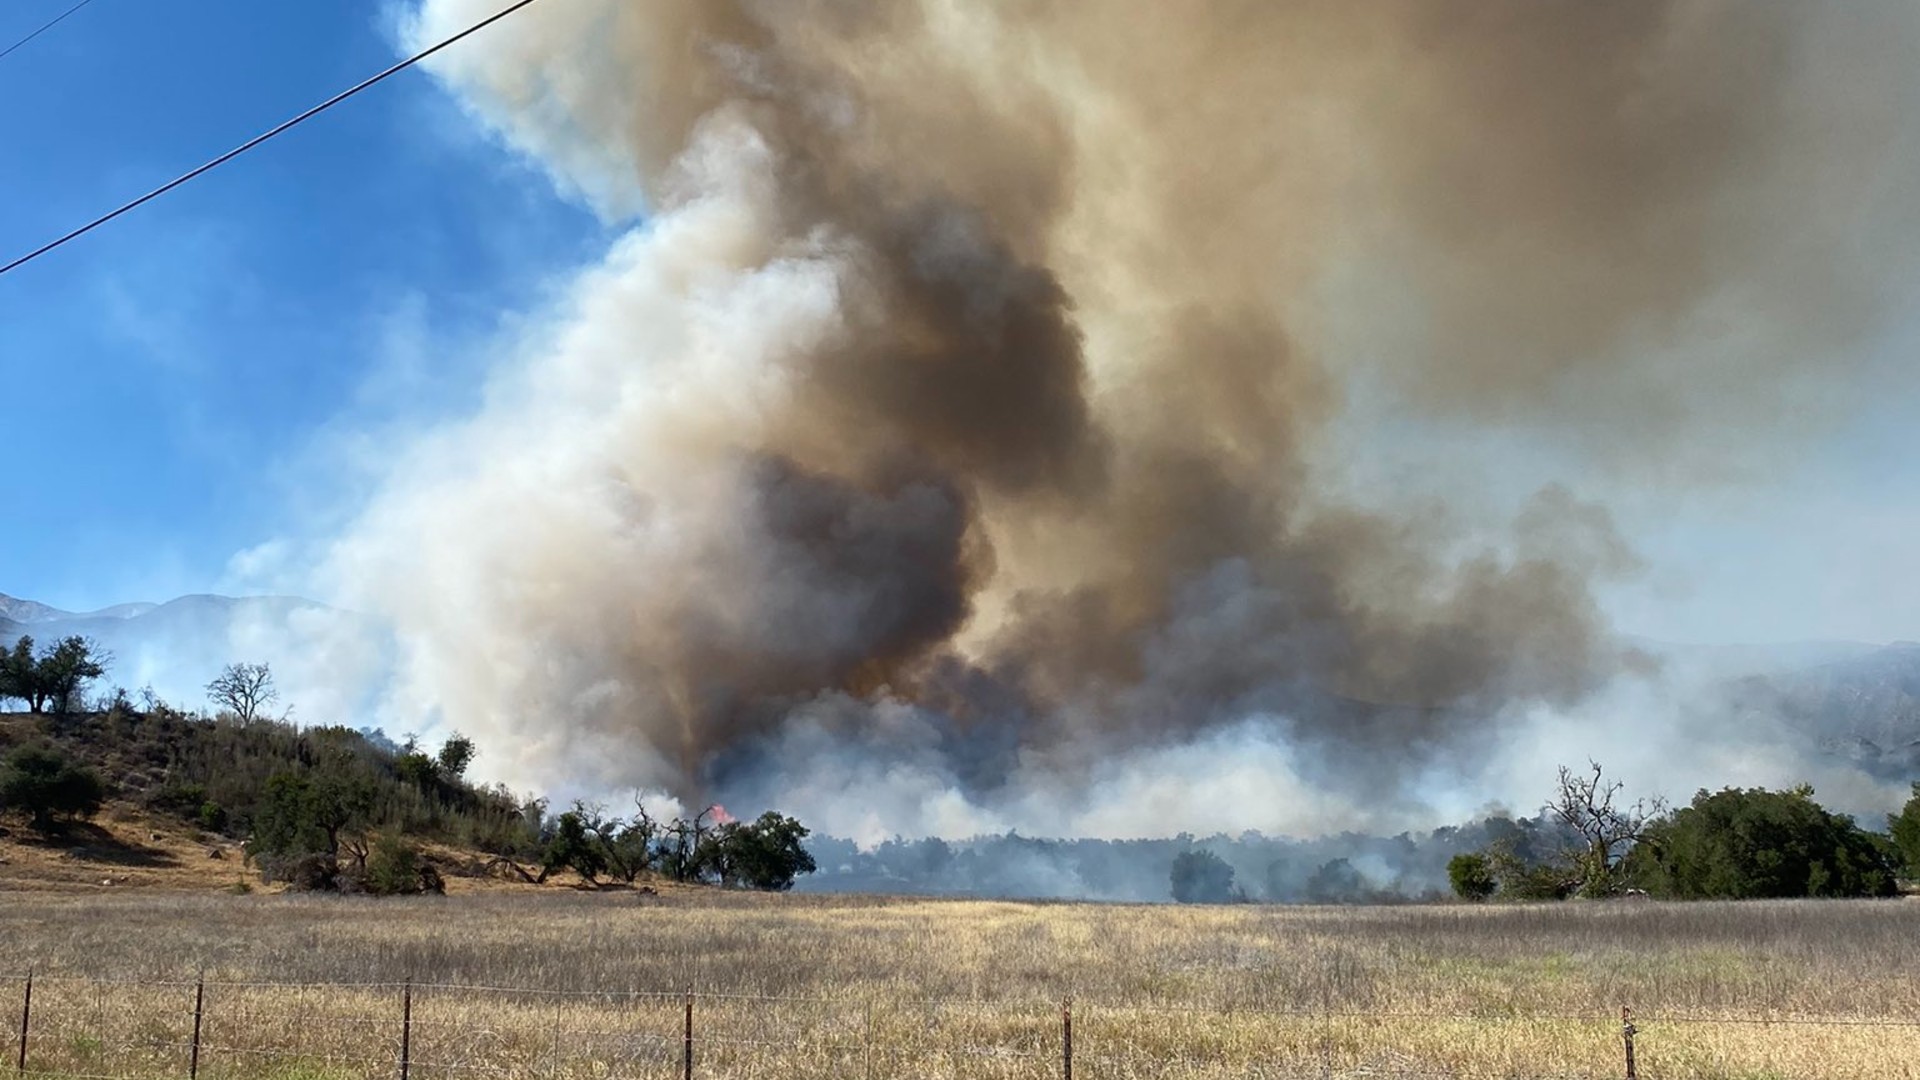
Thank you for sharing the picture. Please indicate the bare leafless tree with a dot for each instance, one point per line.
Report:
(681, 845)
(245, 690)
(625, 846)
(1585, 803)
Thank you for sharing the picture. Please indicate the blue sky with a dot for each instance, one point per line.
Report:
(173, 385)
(166, 378)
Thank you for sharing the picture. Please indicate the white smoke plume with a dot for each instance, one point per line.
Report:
(948, 444)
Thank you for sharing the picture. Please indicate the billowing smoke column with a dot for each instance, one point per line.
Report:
(963, 437)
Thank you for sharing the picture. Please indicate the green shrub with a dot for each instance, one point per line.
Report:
(393, 867)
(178, 798)
(1472, 876)
(43, 784)
(1520, 879)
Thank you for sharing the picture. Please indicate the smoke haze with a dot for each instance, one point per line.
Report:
(962, 437)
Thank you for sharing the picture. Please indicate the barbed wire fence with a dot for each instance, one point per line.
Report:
(77, 1028)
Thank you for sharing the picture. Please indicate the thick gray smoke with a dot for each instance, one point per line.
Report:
(950, 444)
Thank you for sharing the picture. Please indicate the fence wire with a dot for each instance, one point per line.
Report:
(131, 1029)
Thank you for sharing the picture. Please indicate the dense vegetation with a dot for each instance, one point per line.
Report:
(331, 808)
(1585, 842)
(1732, 844)
(1341, 868)
(1739, 844)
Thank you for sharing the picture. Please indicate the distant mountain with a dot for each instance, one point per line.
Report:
(1864, 707)
(26, 611)
(141, 624)
(176, 647)
(125, 611)
(32, 612)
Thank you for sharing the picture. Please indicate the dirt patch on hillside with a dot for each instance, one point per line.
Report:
(120, 849)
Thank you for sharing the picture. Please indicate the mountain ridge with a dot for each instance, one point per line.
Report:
(175, 647)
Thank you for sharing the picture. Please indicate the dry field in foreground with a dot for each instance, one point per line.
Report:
(812, 987)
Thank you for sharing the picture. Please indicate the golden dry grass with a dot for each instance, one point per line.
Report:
(122, 848)
(863, 987)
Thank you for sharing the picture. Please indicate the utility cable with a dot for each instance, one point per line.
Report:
(263, 137)
(56, 21)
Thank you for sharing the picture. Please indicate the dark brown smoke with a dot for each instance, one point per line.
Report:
(978, 363)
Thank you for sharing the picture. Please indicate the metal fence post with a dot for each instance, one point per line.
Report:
(1066, 1039)
(1626, 1035)
(26, 1018)
(199, 1006)
(406, 1028)
(686, 1046)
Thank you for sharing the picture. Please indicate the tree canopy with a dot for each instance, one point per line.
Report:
(1905, 830)
(765, 854)
(48, 787)
(1201, 877)
(1743, 843)
(245, 690)
(1471, 875)
(1731, 844)
(51, 678)
(455, 755)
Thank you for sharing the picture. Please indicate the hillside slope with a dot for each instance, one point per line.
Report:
(1864, 709)
(184, 790)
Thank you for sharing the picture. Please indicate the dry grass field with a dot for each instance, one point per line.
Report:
(824, 987)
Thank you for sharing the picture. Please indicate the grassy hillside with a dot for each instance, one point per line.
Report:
(183, 790)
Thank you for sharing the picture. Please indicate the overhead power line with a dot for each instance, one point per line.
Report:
(44, 27)
(263, 137)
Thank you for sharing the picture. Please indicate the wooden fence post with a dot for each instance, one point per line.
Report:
(1626, 1035)
(686, 1044)
(26, 1018)
(406, 1028)
(199, 1006)
(1066, 1040)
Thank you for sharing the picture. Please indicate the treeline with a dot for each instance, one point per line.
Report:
(1584, 842)
(1344, 868)
(1736, 843)
(765, 854)
(332, 808)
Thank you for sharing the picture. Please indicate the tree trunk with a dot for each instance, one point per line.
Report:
(517, 869)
